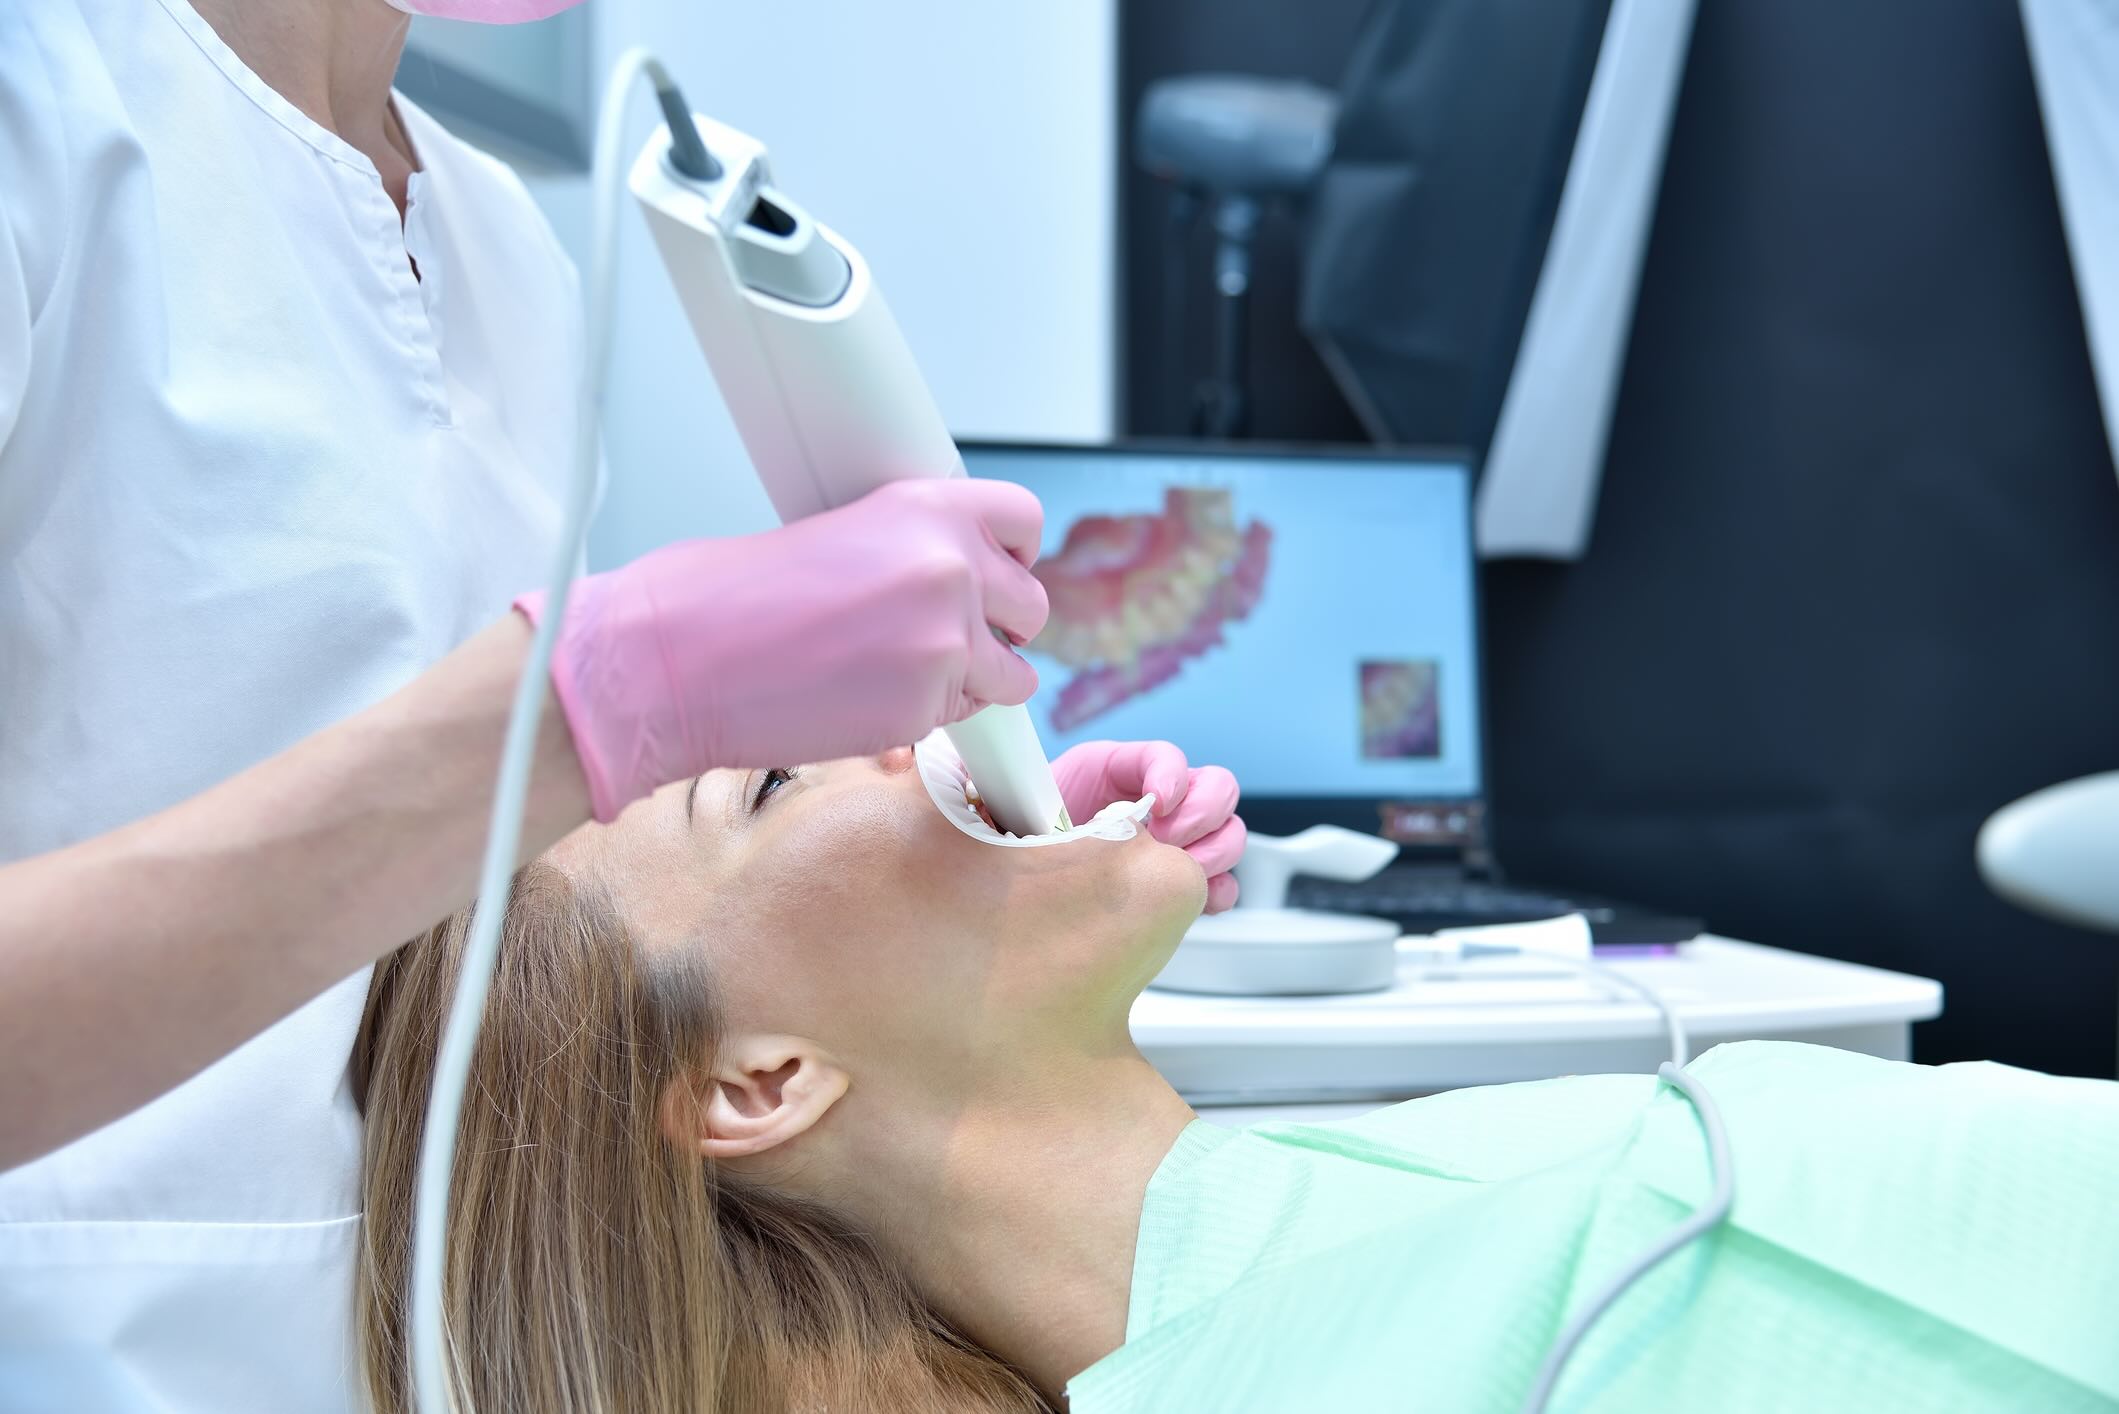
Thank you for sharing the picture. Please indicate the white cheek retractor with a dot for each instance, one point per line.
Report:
(950, 786)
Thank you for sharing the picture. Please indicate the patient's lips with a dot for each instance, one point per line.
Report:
(1134, 597)
(950, 787)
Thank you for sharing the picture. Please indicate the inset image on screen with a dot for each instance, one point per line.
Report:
(1401, 709)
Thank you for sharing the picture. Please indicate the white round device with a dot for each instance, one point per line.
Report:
(1284, 952)
(2056, 852)
(1263, 948)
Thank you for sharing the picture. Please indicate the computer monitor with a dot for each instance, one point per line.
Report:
(1307, 617)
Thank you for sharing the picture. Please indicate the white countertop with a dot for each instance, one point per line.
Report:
(1495, 1019)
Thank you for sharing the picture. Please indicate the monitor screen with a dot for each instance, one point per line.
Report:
(1307, 619)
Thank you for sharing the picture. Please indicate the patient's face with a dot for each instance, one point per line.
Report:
(836, 903)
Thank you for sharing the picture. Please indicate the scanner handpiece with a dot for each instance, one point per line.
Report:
(820, 383)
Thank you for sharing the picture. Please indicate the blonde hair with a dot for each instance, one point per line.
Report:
(593, 1264)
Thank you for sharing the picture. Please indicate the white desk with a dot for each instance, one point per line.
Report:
(1489, 1020)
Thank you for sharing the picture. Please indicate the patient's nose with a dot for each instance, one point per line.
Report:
(897, 760)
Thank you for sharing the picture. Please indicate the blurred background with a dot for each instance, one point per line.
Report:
(1801, 521)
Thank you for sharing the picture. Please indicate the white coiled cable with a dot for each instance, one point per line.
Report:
(1698, 1224)
(452, 1066)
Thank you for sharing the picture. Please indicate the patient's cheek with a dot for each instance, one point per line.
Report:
(862, 848)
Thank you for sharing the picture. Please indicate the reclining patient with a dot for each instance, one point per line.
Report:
(791, 1097)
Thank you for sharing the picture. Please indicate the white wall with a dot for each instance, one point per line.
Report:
(967, 147)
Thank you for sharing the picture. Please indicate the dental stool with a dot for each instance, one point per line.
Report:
(1232, 142)
(2056, 852)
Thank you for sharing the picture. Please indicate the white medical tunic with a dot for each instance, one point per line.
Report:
(255, 474)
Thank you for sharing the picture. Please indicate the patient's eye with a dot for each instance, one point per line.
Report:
(772, 780)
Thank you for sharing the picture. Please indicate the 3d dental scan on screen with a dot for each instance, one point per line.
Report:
(571, 840)
(1309, 617)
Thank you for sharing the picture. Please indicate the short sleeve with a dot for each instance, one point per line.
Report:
(33, 208)
(14, 328)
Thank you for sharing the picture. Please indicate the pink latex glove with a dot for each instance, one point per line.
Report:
(858, 629)
(1195, 807)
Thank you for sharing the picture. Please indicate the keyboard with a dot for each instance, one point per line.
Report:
(1421, 899)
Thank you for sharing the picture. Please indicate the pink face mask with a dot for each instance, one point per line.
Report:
(486, 12)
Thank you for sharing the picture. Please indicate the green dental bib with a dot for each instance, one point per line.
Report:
(1905, 1238)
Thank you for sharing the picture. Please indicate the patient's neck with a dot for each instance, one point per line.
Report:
(1014, 1208)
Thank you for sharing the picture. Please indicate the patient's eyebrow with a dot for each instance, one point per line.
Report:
(691, 794)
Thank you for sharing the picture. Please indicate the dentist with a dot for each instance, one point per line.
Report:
(287, 388)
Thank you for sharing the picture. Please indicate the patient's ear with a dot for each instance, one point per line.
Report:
(764, 1091)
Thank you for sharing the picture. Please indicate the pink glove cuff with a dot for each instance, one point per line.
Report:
(603, 797)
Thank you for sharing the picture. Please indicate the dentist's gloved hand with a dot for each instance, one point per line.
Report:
(839, 635)
(1195, 806)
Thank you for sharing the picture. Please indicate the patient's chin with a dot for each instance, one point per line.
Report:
(1164, 891)
(1163, 886)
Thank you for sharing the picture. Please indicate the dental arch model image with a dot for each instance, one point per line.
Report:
(1136, 597)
